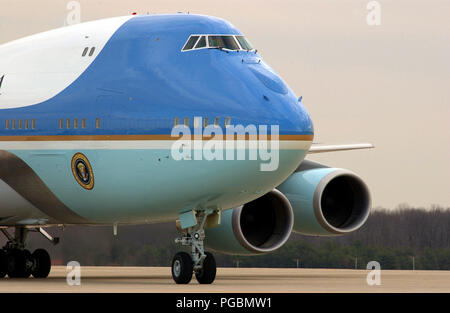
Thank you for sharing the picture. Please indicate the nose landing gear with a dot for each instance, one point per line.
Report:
(199, 262)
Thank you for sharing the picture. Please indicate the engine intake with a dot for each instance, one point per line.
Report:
(260, 226)
(341, 202)
(326, 201)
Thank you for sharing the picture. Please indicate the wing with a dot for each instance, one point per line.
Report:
(320, 148)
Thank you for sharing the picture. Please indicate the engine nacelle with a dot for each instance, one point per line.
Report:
(326, 201)
(260, 226)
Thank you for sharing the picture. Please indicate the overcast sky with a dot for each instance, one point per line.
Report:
(386, 84)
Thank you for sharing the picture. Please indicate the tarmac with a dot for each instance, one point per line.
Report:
(240, 280)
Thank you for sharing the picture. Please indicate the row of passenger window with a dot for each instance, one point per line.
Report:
(68, 123)
(196, 124)
(20, 124)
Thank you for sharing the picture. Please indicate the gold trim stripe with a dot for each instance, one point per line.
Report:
(139, 137)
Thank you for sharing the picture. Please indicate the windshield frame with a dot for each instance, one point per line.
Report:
(219, 48)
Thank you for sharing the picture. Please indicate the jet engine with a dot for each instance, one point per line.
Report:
(326, 201)
(315, 200)
(260, 226)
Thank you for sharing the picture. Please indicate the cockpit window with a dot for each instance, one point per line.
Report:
(190, 43)
(201, 43)
(244, 43)
(227, 42)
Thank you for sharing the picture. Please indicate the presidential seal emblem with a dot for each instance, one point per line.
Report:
(82, 171)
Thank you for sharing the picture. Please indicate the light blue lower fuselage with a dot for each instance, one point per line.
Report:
(143, 186)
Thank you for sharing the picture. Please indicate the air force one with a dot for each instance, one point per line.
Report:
(87, 119)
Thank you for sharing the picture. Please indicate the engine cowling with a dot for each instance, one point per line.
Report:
(326, 201)
(260, 226)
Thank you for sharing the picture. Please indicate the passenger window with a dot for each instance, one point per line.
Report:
(13, 126)
(205, 122)
(176, 122)
(68, 123)
(26, 124)
(20, 124)
(190, 43)
(97, 123)
(75, 123)
(201, 43)
(83, 123)
(6, 124)
(227, 121)
(217, 121)
(186, 121)
(33, 124)
(61, 123)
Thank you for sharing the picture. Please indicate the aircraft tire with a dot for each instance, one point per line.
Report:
(16, 263)
(42, 263)
(208, 273)
(182, 268)
(3, 264)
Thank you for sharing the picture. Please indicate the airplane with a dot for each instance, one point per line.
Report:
(101, 122)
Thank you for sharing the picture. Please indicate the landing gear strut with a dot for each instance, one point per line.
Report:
(18, 262)
(199, 262)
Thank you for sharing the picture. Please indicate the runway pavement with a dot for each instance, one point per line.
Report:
(158, 279)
